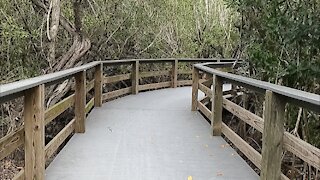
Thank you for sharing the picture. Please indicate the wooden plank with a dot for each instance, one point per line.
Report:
(116, 93)
(243, 114)
(207, 91)
(272, 136)
(11, 142)
(90, 86)
(154, 73)
(154, 86)
(89, 105)
(184, 82)
(54, 144)
(117, 78)
(298, 97)
(253, 155)
(55, 110)
(80, 102)
(34, 132)
(195, 87)
(204, 110)
(135, 77)
(302, 149)
(295, 145)
(19, 176)
(217, 94)
(98, 74)
(174, 73)
(208, 82)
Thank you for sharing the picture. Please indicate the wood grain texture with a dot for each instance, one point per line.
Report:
(11, 142)
(19, 176)
(90, 105)
(207, 91)
(116, 93)
(272, 136)
(98, 74)
(90, 86)
(55, 110)
(117, 78)
(80, 102)
(217, 94)
(204, 110)
(135, 77)
(195, 87)
(154, 86)
(54, 144)
(174, 73)
(34, 133)
(184, 82)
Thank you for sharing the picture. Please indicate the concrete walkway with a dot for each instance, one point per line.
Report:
(149, 136)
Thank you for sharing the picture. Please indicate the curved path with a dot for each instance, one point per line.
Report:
(149, 136)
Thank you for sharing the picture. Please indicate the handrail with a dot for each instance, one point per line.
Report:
(302, 98)
(275, 138)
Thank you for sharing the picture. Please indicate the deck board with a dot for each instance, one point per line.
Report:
(149, 136)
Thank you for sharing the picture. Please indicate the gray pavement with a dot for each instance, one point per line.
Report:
(149, 136)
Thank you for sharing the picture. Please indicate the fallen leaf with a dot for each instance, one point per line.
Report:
(189, 177)
(219, 174)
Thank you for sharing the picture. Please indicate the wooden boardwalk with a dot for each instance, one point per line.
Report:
(152, 135)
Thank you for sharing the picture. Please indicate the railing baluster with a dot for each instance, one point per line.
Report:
(80, 101)
(175, 73)
(98, 85)
(195, 87)
(216, 116)
(273, 131)
(34, 133)
(135, 77)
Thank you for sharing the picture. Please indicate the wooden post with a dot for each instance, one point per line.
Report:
(34, 133)
(273, 131)
(98, 85)
(195, 87)
(135, 77)
(174, 73)
(80, 102)
(216, 116)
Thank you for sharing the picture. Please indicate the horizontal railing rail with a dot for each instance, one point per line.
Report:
(275, 139)
(36, 116)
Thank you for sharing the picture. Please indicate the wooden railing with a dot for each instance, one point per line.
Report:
(275, 139)
(32, 134)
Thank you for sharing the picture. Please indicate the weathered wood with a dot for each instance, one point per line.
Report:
(19, 176)
(253, 155)
(54, 144)
(55, 110)
(217, 94)
(154, 73)
(243, 114)
(208, 82)
(135, 77)
(117, 93)
(154, 86)
(80, 102)
(302, 149)
(195, 86)
(207, 91)
(204, 110)
(174, 73)
(98, 74)
(90, 86)
(184, 82)
(117, 78)
(90, 105)
(34, 132)
(273, 131)
(11, 142)
(298, 97)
